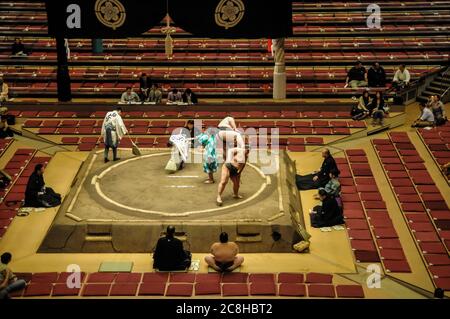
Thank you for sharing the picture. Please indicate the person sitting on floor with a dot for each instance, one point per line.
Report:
(169, 254)
(37, 194)
(174, 96)
(129, 96)
(224, 255)
(8, 281)
(189, 97)
(379, 109)
(361, 111)
(328, 214)
(5, 131)
(437, 107)
(4, 90)
(319, 179)
(155, 94)
(333, 187)
(426, 118)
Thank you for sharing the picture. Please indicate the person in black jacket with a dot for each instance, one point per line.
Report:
(36, 194)
(18, 48)
(189, 97)
(321, 178)
(376, 76)
(169, 254)
(327, 215)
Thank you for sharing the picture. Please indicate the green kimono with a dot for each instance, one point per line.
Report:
(209, 142)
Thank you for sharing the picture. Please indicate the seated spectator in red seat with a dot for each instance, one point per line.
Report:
(401, 78)
(18, 49)
(37, 194)
(8, 281)
(446, 170)
(357, 76)
(376, 76)
(328, 214)
(169, 254)
(189, 97)
(426, 118)
(320, 178)
(4, 90)
(174, 96)
(155, 94)
(361, 110)
(129, 96)
(379, 109)
(224, 255)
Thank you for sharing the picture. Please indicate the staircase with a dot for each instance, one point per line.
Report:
(439, 86)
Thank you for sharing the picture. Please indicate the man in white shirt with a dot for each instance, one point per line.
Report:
(129, 96)
(401, 77)
(113, 129)
(426, 118)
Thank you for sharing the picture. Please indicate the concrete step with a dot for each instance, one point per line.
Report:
(441, 85)
(436, 90)
(445, 80)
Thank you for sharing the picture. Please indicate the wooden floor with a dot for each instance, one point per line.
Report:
(329, 252)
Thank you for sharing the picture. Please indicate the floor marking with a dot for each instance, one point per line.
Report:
(185, 176)
(180, 186)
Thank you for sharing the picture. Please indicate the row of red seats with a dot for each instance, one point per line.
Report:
(437, 142)
(371, 231)
(189, 284)
(195, 114)
(205, 123)
(416, 193)
(19, 167)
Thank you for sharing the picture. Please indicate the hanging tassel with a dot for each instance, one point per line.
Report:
(168, 42)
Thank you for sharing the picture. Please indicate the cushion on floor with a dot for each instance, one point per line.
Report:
(99, 290)
(324, 291)
(293, 278)
(124, 289)
(180, 290)
(38, 289)
(263, 288)
(229, 290)
(292, 290)
(207, 288)
(319, 278)
(152, 289)
(235, 278)
(349, 291)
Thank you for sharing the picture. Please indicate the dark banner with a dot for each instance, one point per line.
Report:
(202, 18)
(103, 18)
(233, 18)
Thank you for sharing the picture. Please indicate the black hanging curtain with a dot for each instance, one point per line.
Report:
(103, 18)
(203, 18)
(233, 18)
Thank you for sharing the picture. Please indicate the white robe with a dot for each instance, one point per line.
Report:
(119, 130)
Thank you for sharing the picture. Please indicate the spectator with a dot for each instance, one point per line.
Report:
(361, 110)
(446, 170)
(401, 78)
(169, 254)
(37, 194)
(189, 97)
(8, 281)
(174, 96)
(379, 109)
(144, 85)
(437, 107)
(426, 118)
(327, 215)
(18, 49)
(357, 76)
(376, 76)
(5, 131)
(224, 255)
(320, 178)
(192, 132)
(4, 90)
(129, 96)
(333, 187)
(155, 94)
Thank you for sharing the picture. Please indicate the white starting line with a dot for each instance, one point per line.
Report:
(179, 186)
(185, 176)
